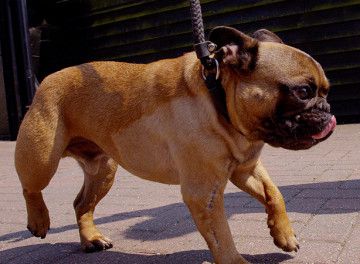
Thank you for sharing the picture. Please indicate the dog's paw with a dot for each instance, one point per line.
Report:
(39, 222)
(96, 243)
(287, 243)
(284, 236)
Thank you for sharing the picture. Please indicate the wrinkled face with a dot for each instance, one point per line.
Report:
(278, 94)
(299, 117)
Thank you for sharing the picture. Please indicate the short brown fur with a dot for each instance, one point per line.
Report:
(109, 113)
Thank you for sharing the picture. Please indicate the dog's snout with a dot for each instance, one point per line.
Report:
(323, 105)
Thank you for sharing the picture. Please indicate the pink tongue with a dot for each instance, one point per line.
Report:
(329, 127)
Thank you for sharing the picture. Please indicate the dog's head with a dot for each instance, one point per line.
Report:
(274, 92)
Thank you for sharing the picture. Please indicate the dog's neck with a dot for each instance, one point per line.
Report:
(218, 96)
(215, 88)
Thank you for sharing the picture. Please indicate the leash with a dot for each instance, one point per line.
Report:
(204, 49)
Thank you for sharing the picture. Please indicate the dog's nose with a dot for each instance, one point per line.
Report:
(322, 104)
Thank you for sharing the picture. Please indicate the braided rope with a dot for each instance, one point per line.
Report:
(197, 22)
(202, 50)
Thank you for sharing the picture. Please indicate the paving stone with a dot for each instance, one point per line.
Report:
(329, 225)
(11, 233)
(352, 183)
(344, 204)
(149, 223)
(319, 252)
(351, 251)
(305, 205)
(335, 193)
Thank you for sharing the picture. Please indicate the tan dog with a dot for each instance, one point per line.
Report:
(158, 121)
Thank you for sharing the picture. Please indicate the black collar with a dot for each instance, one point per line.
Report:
(218, 95)
(211, 76)
(203, 51)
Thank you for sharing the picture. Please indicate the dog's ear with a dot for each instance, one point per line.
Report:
(266, 36)
(234, 47)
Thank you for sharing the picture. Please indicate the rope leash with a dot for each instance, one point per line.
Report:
(203, 51)
(202, 48)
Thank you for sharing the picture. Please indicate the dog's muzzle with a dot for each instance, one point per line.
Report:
(301, 130)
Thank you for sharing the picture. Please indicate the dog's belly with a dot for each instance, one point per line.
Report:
(168, 144)
(145, 152)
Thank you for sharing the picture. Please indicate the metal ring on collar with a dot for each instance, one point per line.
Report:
(217, 74)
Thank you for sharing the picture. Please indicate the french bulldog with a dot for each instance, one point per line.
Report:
(159, 122)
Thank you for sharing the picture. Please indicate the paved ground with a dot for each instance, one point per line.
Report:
(149, 223)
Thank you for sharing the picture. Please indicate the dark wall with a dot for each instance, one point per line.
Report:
(143, 31)
(4, 123)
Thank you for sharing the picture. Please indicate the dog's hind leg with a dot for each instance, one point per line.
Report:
(99, 172)
(39, 147)
(259, 185)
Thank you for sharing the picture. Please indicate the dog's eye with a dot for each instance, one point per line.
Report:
(303, 92)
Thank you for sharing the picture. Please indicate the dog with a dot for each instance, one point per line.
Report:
(159, 122)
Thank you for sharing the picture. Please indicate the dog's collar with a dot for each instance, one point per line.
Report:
(203, 51)
(211, 76)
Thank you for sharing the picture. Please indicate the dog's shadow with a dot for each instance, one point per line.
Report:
(174, 220)
(70, 253)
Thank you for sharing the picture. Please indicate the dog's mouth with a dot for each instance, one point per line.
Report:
(300, 131)
(326, 132)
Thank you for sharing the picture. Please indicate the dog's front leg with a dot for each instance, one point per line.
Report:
(259, 185)
(205, 200)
